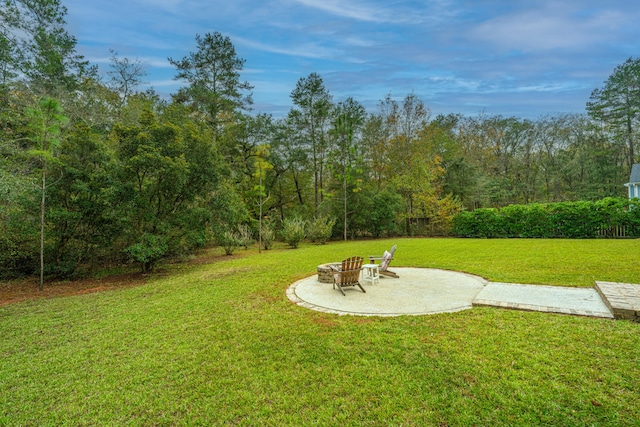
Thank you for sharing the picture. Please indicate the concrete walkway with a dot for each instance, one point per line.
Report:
(428, 291)
(550, 299)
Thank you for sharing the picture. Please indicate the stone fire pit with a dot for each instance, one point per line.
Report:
(325, 273)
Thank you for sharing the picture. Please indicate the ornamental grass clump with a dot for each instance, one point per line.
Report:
(229, 240)
(268, 234)
(245, 236)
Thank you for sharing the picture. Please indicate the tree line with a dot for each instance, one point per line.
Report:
(94, 170)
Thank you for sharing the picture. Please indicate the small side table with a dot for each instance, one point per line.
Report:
(371, 272)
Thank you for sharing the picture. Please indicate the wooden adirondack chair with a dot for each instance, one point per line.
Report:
(385, 260)
(348, 274)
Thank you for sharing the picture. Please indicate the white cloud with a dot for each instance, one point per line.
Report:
(165, 83)
(305, 50)
(557, 26)
(347, 9)
(382, 12)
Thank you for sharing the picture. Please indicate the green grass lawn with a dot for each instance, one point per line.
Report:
(220, 344)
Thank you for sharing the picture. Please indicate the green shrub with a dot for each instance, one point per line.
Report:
(575, 220)
(514, 220)
(293, 231)
(320, 229)
(537, 221)
(464, 224)
(484, 222)
(148, 250)
(229, 240)
(619, 213)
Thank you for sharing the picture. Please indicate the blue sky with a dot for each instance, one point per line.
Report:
(512, 58)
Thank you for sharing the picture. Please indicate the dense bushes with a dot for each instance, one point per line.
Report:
(320, 229)
(610, 217)
(294, 230)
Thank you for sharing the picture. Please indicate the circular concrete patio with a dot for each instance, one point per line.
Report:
(428, 291)
(417, 291)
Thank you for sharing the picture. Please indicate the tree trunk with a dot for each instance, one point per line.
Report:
(630, 142)
(344, 194)
(42, 208)
(260, 219)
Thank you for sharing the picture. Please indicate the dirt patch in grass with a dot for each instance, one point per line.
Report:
(27, 289)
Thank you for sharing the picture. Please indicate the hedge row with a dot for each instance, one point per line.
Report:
(610, 217)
